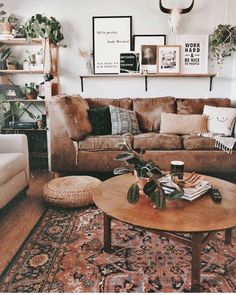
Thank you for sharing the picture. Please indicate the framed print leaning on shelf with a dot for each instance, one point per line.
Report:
(111, 36)
(194, 53)
(168, 59)
(146, 45)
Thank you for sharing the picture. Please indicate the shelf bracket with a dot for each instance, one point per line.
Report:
(82, 83)
(146, 83)
(211, 82)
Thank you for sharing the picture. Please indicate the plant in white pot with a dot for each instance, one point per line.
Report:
(7, 22)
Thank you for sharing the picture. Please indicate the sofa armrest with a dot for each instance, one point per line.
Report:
(15, 143)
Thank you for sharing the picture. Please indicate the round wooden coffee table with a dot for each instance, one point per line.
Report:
(202, 218)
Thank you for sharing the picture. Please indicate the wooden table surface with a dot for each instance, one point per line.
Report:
(199, 215)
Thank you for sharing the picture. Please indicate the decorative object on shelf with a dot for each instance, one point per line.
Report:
(194, 53)
(30, 90)
(146, 45)
(34, 61)
(175, 15)
(111, 36)
(11, 92)
(129, 63)
(5, 53)
(40, 26)
(6, 22)
(87, 57)
(168, 59)
(40, 122)
(148, 178)
(48, 76)
(222, 43)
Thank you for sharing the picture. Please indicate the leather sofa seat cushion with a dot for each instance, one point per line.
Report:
(157, 141)
(123, 103)
(102, 142)
(195, 106)
(149, 111)
(192, 142)
(73, 112)
(10, 165)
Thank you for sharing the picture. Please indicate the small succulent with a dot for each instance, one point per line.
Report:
(146, 170)
(222, 42)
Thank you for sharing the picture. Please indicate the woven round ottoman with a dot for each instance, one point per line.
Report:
(71, 191)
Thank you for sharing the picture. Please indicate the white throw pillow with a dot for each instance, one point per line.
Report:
(220, 120)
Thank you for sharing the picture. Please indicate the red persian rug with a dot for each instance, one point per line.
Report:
(63, 254)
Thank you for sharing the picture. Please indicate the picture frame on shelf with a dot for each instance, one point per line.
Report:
(112, 35)
(146, 45)
(129, 63)
(194, 53)
(169, 59)
(11, 92)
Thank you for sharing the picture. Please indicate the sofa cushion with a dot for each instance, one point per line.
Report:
(183, 124)
(195, 106)
(102, 142)
(10, 165)
(157, 141)
(193, 142)
(124, 103)
(100, 119)
(74, 116)
(149, 111)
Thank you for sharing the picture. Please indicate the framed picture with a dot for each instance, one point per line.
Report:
(168, 59)
(11, 91)
(146, 45)
(194, 53)
(111, 36)
(129, 63)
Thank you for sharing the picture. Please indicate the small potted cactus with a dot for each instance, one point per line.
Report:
(148, 176)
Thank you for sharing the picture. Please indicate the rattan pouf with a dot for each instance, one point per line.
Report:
(71, 191)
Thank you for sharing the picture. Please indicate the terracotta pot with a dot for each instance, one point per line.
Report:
(6, 28)
(11, 67)
(32, 95)
(40, 124)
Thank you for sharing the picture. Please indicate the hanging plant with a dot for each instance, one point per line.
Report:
(40, 26)
(222, 43)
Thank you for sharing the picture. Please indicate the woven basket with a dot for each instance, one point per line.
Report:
(71, 191)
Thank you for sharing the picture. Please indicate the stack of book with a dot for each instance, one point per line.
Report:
(190, 194)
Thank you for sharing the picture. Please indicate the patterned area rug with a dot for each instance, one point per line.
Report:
(63, 254)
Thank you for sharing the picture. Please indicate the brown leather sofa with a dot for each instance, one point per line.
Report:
(96, 153)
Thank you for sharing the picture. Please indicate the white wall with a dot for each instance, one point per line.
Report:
(76, 17)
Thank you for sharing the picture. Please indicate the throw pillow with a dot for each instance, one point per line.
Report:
(183, 124)
(123, 121)
(220, 120)
(74, 116)
(100, 119)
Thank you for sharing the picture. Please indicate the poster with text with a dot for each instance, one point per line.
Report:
(111, 36)
(194, 53)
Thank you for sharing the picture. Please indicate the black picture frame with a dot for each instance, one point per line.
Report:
(162, 36)
(125, 49)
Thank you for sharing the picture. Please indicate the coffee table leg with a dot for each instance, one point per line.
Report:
(228, 236)
(107, 232)
(196, 261)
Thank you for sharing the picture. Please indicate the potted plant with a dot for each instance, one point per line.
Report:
(148, 176)
(40, 26)
(5, 52)
(31, 90)
(6, 22)
(222, 43)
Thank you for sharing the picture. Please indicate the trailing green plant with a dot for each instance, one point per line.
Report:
(5, 53)
(222, 42)
(30, 89)
(40, 26)
(12, 108)
(11, 19)
(146, 170)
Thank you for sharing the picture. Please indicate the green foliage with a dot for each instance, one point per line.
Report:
(12, 19)
(222, 42)
(5, 52)
(133, 194)
(30, 88)
(40, 26)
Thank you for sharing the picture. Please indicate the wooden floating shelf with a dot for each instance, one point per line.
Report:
(210, 76)
(6, 72)
(23, 129)
(22, 42)
(26, 100)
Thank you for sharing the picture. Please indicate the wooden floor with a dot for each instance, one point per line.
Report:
(17, 221)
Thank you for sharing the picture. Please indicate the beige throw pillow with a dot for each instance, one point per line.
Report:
(183, 124)
(220, 120)
(72, 111)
